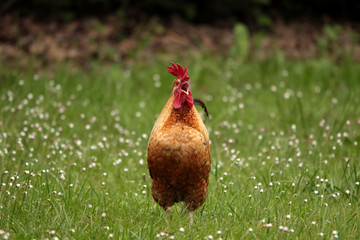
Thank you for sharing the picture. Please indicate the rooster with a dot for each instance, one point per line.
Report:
(178, 153)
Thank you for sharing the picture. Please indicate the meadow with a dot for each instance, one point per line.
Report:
(284, 136)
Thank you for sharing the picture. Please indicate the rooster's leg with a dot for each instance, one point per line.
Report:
(168, 211)
(191, 216)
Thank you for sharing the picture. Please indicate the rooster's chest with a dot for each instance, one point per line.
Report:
(178, 147)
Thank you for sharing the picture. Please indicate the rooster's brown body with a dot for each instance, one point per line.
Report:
(179, 157)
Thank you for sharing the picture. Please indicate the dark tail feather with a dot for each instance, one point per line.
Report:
(198, 102)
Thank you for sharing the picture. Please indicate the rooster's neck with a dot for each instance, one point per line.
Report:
(183, 114)
(178, 113)
(171, 117)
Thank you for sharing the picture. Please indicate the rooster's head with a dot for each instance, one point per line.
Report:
(181, 86)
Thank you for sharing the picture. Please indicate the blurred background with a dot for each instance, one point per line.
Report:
(122, 30)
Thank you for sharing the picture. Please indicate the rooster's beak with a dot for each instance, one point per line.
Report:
(185, 88)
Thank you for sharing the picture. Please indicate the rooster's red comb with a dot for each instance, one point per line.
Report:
(178, 71)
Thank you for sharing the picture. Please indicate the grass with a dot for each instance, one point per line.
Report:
(284, 144)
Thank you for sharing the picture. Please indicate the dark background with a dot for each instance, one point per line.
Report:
(56, 31)
(254, 13)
